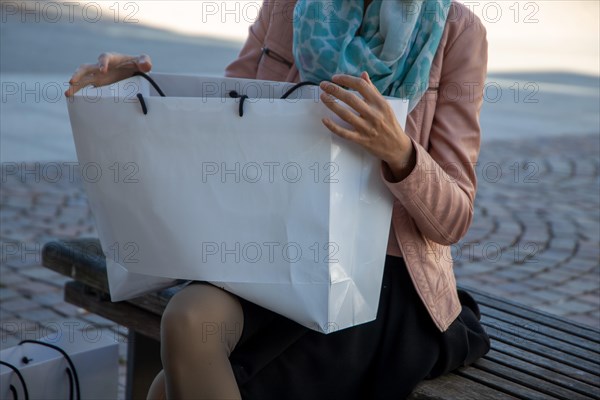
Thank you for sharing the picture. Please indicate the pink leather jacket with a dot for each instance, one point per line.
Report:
(434, 203)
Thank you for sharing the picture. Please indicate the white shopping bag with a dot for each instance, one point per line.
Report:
(45, 373)
(269, 205)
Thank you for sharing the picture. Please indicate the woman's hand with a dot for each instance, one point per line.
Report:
(375, 125)
(111, 68)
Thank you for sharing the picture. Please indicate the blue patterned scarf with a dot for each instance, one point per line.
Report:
(396, 43)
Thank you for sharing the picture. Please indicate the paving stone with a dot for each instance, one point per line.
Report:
(64, 325)
(588, 251)
(578, 286)
(9, 341)
(42, 274)
(526, 298)
(10, 278)
(538, 284)
(512, 274)
(68, 310)
(67, 214)
(60, 280)
(579, 267)
(568, 307)
(551, 279)
(550, 257)
(17, 305)
(494, 290)
(491, 280)
(533, 267)
(51, 199)
(592, 298)
(31, 288)
(43, 211)
(38, 314)
(21, 329)
(586, 319)
(558, 252)
(7, 315)
(48, 299)
(548, 296)
(478, 267)
(97, 320)
(513, 287)
(7, 293)
(15, 202)
(19, 236)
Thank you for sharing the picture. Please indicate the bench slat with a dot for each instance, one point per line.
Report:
(545, 362)
(79, 260)
(452, 386)
(541, 317)
(526, 336)
(503, 385)
(541, 349)
(528, 380)
(532, 329)
(122, 312)
(544, 374)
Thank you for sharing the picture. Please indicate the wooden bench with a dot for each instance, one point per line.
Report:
(534, 355)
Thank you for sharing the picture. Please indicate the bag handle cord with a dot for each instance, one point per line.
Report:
(71, 371)
(13, 390)
(233, 94)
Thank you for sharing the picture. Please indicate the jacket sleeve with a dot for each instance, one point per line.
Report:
(246, 65)
(440, 190)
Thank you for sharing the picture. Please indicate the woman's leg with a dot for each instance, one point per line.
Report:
(200, 328)
(158, 391)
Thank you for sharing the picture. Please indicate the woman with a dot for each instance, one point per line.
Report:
(434, 54)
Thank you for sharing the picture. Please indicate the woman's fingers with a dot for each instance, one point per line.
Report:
(110, 68)
(144, 63)
(83, 76)
(347, 97)
(343, 132)
(141, 63)
(77, 85)
(344, 113)
(82, 71)
(363, 86)
(103, 61)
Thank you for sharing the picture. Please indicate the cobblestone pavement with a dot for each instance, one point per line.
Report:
(535, 237)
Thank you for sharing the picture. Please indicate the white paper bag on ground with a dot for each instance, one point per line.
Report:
(95, 359)
(270, 205)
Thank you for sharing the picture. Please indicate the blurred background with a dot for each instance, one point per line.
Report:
(543, 60)
(539, 169)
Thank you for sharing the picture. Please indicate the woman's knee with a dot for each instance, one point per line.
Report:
(158, 389)
(205, 314)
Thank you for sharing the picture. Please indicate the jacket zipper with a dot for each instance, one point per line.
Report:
(275, 56)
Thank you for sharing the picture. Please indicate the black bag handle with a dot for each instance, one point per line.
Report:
(242, 98)
(296, 87)
(154, 84)
(232, 94)
(287, 94)
(23, 384)
(71, 371)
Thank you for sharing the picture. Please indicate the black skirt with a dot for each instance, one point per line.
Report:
(277, 358)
